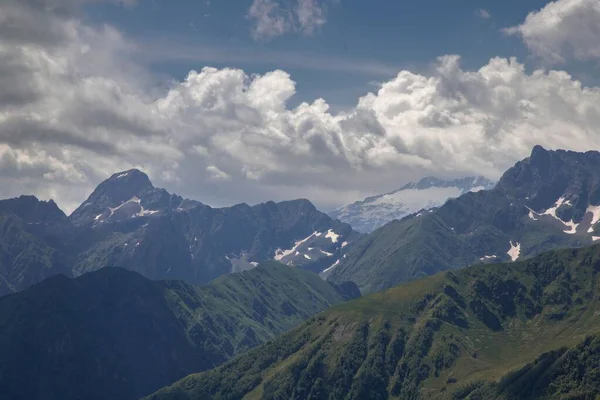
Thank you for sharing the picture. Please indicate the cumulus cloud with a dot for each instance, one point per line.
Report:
(80, 109)
(272, 18)
(562, 29)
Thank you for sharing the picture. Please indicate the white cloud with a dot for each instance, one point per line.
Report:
(216, 173)
(310, 14)
(272, 18)
(483, 13)
(77, 110)
(268, 19)
(563, 29)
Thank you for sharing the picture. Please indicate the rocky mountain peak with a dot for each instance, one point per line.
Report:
(548, 175)
(122, 186)
(125, 195)
(32, 210)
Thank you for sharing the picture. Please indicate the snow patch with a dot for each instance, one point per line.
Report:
(595, 210)
(326, 253)
(142, 212)
(254, 263)
(307, 257)
(477, 189)
(532, 214)
(487, 258)
(515, 251)
(344, 244)
(97, 217)
(332, 267)
(572, 227)
(552, 210)
(280, 254)
(332, 235)
(595, 238)
(123, 175)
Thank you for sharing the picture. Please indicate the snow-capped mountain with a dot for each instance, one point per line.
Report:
(547, 201)
(126, 195)
(376, 211)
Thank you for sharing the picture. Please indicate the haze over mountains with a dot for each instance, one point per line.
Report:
(376, 211)
(127, 222)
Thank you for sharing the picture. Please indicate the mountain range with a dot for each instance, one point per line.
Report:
(523, 330)
(546, 201)
(113, 334)
(127, 222)
(430, 192)
(486, 307)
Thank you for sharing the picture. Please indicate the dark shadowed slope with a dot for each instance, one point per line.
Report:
(33, 242)
(113, 334)
(127, 222)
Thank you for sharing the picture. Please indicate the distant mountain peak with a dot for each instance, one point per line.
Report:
(538, 149)
(125, 185)
(134, 175)
(126, 194)
(548, 200)
(31, 209)
(429, 192)
(466, 182)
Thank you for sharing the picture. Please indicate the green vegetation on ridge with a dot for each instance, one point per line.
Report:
(448, 336)
(113, 334)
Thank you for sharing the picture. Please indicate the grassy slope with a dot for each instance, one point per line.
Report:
(242, 310)
(430, 338)
(114, 334)
(24, 258)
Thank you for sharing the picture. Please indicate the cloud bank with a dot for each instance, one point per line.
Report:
(75, 108)
(562, 30)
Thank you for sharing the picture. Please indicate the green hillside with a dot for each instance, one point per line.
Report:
(442, 337)
(113, 334)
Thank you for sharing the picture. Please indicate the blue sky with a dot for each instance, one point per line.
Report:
(374, 39)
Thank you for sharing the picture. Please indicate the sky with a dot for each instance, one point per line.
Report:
(252, 100)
